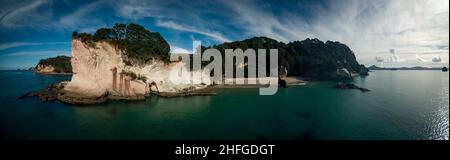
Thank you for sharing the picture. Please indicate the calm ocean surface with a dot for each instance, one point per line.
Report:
(401, 105)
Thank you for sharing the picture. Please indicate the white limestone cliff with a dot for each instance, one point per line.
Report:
(99, 71)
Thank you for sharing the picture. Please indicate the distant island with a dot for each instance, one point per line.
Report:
(373, 67)
(130, 62)
(54, 65)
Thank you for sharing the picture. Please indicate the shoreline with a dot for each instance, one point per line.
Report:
(56, 92)
(295, 81)
(53, 73)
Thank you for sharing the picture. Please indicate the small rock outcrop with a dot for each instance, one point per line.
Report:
(364, 71)
(50, 93)
(342, 85)
(282, 83)
(282, 72)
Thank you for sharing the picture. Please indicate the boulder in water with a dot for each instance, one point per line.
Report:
(342, 85)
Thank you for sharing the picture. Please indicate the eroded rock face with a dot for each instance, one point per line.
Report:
(100, 71)
(158, 77)
(344, 74)
(282, 72)
(95, 73)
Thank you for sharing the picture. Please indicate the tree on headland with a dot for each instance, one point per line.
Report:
(103, 33)
(119, 31)
(139, 44)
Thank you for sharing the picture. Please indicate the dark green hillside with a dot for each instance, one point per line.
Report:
(60, 63)
(310, 58)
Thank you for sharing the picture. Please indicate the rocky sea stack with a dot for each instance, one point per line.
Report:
(124, 62)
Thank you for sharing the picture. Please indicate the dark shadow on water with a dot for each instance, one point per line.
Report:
(303, 115)
(261, 137)
(48, 114)
(307, 135)
(112, 113)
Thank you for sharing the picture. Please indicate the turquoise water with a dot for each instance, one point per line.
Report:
(401, 105)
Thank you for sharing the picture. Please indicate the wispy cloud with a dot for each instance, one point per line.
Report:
(138, 11)
(191, 16)
(39, 14)
(259, 21)
(368, 27)
(24, 13)
(420, 59)
(432, 58)
(5, 46)
(171, 24)
(36, 53)
(80, 16)
(176, 49)
(436, 59)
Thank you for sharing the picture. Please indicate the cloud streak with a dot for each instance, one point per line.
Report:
(74, 19)
(437, 59)
(21, 44)
(36, 53)
(23, 14)
(368, 27)
(172, 25)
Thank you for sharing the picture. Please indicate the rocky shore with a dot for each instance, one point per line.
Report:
(200, 92)
(294, 81)
(57, 92)
(50, 93)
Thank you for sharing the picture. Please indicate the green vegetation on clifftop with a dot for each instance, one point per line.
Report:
(139, 44)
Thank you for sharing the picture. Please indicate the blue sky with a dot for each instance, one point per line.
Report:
(381, 32)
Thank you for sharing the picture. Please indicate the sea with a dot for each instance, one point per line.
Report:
(402, 105)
